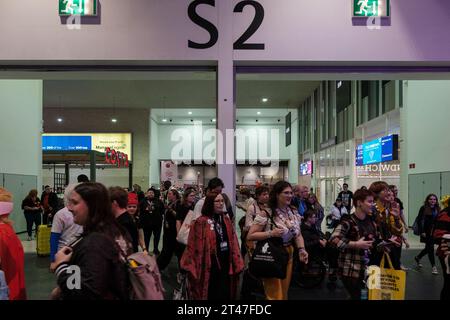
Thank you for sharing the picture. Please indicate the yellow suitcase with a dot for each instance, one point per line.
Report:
(43, 240)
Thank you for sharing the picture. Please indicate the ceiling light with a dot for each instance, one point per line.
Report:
(213, 120)
(164, 120)
(60, 120)
(190, 112)
(113, 120)
(264, 99)
(258, 113)
(348, 150)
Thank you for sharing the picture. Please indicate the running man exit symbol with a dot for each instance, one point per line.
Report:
(371, 8)
(78, 7)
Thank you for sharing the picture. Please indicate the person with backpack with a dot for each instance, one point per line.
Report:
(426, 219)
(212, 258)
(98, 256)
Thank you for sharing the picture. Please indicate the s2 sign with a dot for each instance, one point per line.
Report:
(242, 42)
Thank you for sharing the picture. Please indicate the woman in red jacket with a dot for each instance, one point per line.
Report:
(11, 250)
(212, 257)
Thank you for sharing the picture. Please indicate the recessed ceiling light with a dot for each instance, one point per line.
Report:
(164, 120)
(348, 150)
(114, 120)
(60, 120)
(258, 113)
(190, 112)
(264, 99)
(213, 120)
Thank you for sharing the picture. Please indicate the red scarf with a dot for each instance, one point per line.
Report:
(196, 259)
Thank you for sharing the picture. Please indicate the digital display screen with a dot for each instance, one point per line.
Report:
(306, 168)
(66, 143)
(376, 151)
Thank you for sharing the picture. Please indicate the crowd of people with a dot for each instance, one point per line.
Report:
(98, 228)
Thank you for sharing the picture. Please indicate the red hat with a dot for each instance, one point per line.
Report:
(132, 199)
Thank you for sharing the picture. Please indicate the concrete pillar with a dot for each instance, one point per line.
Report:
(226, 101)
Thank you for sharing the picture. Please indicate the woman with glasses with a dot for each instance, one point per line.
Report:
(427, 217)
(285, 225)
(212, 258)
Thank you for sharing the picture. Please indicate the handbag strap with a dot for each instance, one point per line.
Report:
(270, 216)
(385, 254)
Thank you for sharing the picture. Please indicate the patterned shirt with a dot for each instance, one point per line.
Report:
(288, 220)
(351, 261)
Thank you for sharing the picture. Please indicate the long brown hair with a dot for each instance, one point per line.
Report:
(428, 210)
(100, 218)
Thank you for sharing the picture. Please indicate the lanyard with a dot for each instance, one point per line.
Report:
(218, 227)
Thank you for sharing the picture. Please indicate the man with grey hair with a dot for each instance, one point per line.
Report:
(64, 230)
(301, 196)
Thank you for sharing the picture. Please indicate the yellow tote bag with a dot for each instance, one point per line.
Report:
(386, 284)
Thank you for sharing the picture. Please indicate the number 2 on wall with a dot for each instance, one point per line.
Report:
(240, 43)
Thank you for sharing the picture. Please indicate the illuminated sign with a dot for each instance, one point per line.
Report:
(78, 7)
(116, 158)
(371, 8)
(66, 143)
(376, 151)
(306, 168)
(87, 141)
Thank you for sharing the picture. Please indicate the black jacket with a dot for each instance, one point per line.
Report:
(127, 222)
(311, 236)
(426, 223)
(52, 201)
(151, 213)
(103, 275)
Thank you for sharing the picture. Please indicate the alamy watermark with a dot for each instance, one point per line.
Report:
(212, 145)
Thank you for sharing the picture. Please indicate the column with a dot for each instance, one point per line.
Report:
(226, 105)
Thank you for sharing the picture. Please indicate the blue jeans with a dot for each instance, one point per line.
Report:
(4, 290)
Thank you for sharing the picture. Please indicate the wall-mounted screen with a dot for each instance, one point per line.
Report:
(379, 150)
(306, 168)
(87, 141)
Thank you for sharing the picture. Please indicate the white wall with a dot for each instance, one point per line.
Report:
(91, 120)
(21, 127)
(428, 118)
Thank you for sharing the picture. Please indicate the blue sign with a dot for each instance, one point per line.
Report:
(380, 150)
(66, 143)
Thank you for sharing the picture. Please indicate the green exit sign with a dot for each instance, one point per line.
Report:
(78, 7)
(371, 8)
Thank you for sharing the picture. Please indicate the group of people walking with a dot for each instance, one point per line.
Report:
(98, 228)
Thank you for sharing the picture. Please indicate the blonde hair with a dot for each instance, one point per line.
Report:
(5, 195)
